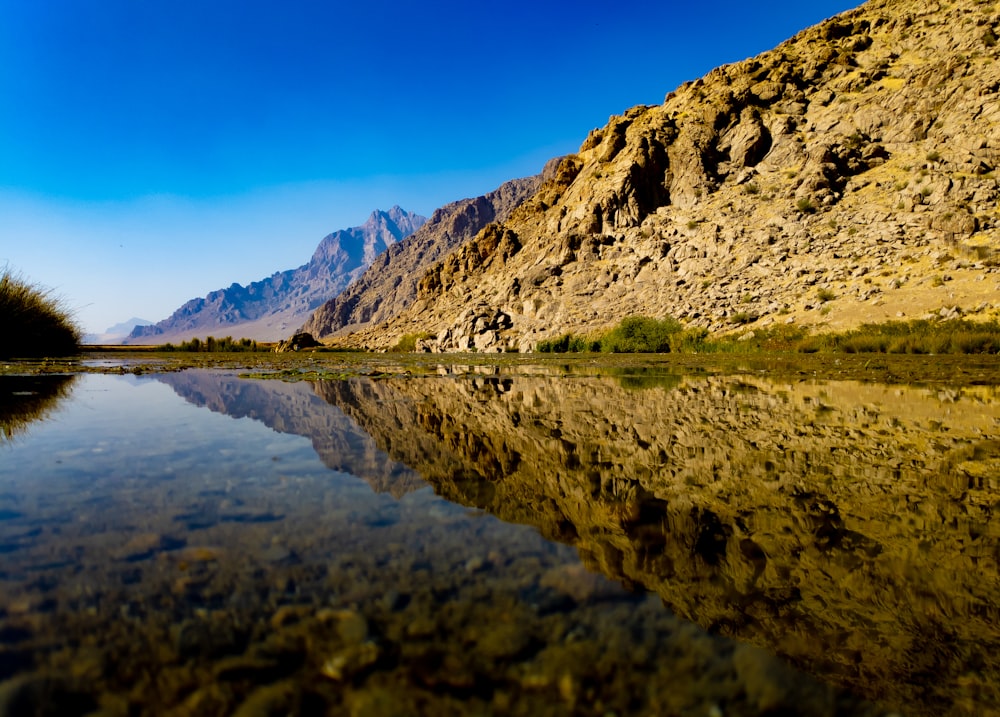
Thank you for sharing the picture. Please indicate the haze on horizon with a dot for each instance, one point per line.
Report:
(159, 151)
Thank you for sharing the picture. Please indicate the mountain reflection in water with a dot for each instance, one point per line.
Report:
(156, 558)
(843, 525)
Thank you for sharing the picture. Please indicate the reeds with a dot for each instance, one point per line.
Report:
(954, 336)
(930, 337)
(33, 323)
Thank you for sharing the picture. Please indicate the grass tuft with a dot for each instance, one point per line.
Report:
(33, 323)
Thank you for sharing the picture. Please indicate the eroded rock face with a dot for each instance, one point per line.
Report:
(844, 525)
(856, 158)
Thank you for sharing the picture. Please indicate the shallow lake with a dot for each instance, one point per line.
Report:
(486, 540)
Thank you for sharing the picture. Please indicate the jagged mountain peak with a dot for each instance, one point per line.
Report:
(272, 308)
(389, 285)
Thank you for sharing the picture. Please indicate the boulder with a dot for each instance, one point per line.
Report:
(298, 342)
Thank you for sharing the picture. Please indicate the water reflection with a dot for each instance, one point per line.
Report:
(288, 408)
(156, 558)
(26, 399)
(846, 526)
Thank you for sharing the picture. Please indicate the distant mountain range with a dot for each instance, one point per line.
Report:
(115, 334)
(273, 308)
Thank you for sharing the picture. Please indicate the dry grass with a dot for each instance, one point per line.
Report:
(33, 323)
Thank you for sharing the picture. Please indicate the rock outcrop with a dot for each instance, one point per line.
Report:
(848, 175)
(270, 309)
(390, 284)
(298, 342)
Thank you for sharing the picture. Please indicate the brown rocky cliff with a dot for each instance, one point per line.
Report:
(845, 526)
(854, 161)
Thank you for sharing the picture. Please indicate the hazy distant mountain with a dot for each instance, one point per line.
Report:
(272, 308)
(115, 334)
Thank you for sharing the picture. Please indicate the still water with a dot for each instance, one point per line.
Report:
(492, 542)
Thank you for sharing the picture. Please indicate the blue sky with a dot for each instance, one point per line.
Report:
(153, 151)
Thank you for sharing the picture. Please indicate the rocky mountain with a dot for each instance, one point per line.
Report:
(390, 283)
(848, 175)
(270, 309)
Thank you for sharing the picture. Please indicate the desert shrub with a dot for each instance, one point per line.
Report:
(689, 340)
(975, 342)
(567, 343)
(805, 205)
(825, 295)
(640, 334)
(34, 322)
(742, 317)
(783, 337)
(917, 336)
(408, 342)
(864, 344)
(559, 345)
(226, 344)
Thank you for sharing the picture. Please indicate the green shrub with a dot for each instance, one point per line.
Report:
(227, 344)
(805, 205)
(35, 323)
(825, 295)
(567, 343)
(689, 340)
(408, 342)
(742, 317)
(917, 336)
(640, 334)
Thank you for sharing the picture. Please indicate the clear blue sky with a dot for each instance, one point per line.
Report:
(152, 151)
